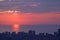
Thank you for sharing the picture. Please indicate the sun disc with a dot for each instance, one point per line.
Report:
(16, 28)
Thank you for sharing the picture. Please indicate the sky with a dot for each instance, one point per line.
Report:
(29, 12)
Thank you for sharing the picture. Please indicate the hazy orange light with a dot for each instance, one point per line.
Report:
(29, 18)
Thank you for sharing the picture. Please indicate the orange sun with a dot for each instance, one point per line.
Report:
(16, 28)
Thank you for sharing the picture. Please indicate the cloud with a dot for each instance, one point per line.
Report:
(32, 6)
(2, 0)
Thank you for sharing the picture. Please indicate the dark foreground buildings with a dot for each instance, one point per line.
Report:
(29, 36)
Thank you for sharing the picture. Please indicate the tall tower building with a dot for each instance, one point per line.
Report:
(58, 31)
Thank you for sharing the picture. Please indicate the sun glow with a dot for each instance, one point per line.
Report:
(16, 28)
(12, 11)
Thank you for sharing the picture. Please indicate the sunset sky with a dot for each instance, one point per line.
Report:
(42, 13)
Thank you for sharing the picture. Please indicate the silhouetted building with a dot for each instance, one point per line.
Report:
(58, 31)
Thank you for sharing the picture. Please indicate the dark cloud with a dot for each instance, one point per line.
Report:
(26, 28)
(34, 6)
